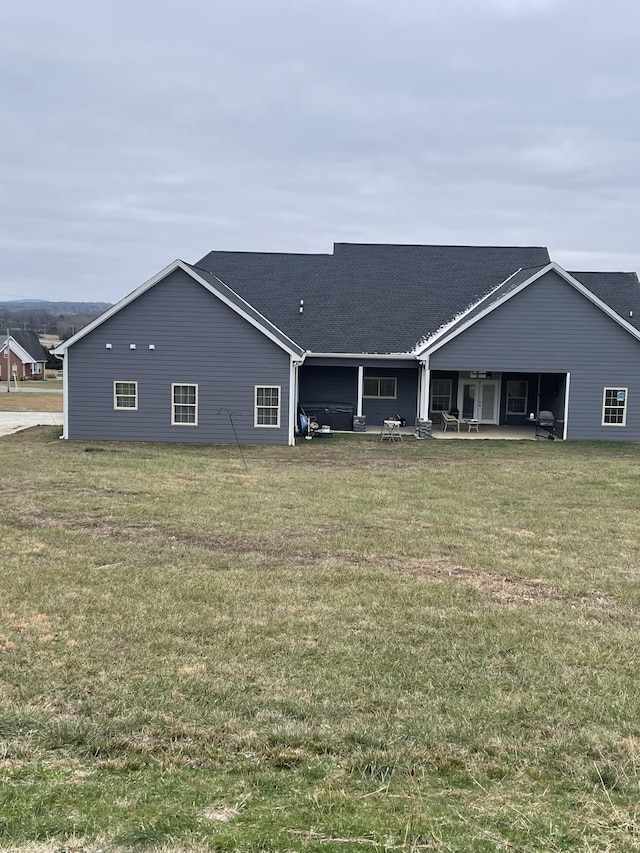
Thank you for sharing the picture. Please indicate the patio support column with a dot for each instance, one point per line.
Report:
(424, 386)
(360, 389)
(565, 426)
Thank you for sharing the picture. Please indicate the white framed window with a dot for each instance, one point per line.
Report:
(382, 387)
(517, 394)
(125, 395)
(267, 409)
(440, 395)
(614, 407)
(184, 405)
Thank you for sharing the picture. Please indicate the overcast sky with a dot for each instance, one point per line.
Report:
(137, 132)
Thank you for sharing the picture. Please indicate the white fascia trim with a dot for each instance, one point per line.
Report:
(294, 353)
(398, 356)
(446, 328)
(18, 351)
(177, 264)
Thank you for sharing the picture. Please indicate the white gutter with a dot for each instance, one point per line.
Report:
(363, 356)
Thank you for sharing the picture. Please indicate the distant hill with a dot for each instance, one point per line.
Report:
(56, 307)
(45, 317)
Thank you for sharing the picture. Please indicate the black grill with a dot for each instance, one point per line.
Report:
(545, 425)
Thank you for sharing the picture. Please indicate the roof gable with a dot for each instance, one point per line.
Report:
(215, 287)
(508, 290)
(28, 341)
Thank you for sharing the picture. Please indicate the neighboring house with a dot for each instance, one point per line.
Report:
(369, 330)
(27, 358)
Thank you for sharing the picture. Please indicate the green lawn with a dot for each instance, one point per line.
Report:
(421, 647)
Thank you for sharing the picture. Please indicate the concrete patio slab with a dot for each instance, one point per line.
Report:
(11, 422)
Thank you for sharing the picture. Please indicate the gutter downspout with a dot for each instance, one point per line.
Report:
(565, 426)
(360, 390)
(65, 395)
(293, 399)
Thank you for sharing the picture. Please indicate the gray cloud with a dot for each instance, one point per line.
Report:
(136, 133)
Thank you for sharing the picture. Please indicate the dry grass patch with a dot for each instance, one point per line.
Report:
(30, 401)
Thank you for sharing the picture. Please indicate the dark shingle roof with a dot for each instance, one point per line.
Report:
(368, 298)
(29, 341)
(619, 290)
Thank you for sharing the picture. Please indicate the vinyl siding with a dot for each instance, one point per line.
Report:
(198, 341)
(551, 328)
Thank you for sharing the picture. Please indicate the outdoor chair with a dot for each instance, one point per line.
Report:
(449, 421)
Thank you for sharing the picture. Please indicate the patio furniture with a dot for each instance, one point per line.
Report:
(449, 421)
(473, 424)
(390, 431)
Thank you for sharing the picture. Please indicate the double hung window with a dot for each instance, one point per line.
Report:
(517, 391)
(440, 395)
(184, 405)
(614, 407)
(267, 406)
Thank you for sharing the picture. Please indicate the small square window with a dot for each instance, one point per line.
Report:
(125, 395)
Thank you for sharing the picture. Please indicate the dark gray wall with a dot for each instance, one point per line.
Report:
(551, 328)
(328, 385)
(406, 402)
(198, 340)
(339, 384)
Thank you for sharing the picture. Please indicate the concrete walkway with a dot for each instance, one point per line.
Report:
(11, 422)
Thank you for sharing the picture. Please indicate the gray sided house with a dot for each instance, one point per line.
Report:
(234, 344)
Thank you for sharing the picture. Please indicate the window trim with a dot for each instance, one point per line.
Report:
(379, 396)
(174, 422)
(118, 408)
(508, 411)
(606, 423)
(256, 407)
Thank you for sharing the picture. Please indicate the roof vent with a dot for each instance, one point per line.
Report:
(301, 306)
(132, 346)
(108, 346)
(631, 313)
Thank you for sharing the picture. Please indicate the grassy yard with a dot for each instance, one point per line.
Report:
(30, 401)
(348, 647)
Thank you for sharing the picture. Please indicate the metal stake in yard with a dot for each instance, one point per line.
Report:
(230, 415)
